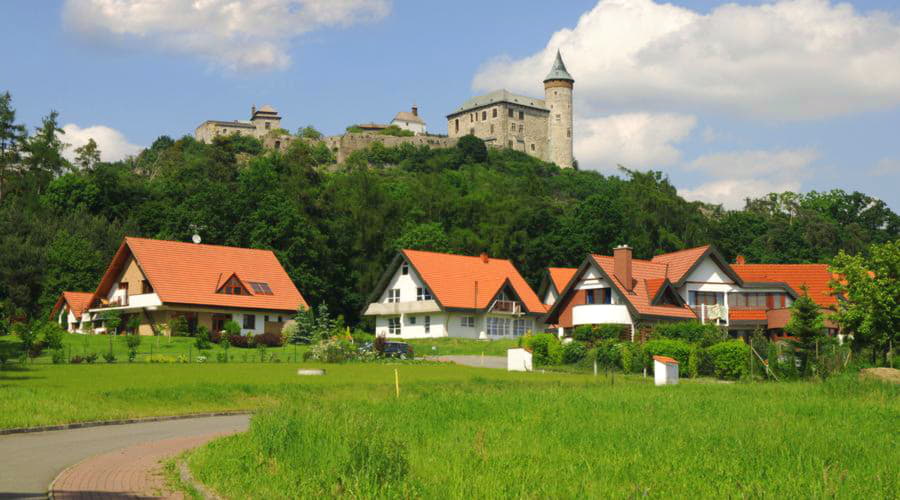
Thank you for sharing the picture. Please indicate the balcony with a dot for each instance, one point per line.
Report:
(600, 314)
(395, 308)
(716, 314)
(130, 302)
(506, 307)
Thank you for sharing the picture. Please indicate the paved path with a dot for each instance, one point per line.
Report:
(29, 462)
(474, 360)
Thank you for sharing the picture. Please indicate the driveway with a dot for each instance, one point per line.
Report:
(29, 462)
(473, 360)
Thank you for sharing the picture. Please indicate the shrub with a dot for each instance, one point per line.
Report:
(59, 356)
(133, 341)
(269, 340)
(545, 347)
(109, 357)
(573, 352)
(202, 341)
(677, 349)
(52, 334)
(76, 359)
(241, 340)
(26, 334)
(729, 359)
(693, 366)
(608, 354)
(362, 337)
(178, 326)
(232, 328)
(91, 358)
(333, 350)
(289, 331)
(378, 345)
(592, 334)
(626, 356)
(36, 349)
(216, 337)
(692, 332)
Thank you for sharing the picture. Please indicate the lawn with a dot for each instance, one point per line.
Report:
(45, 394)
(448, 346)
(82, 345)
(492, 436)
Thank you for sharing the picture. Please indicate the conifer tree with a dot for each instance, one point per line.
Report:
(806, 326)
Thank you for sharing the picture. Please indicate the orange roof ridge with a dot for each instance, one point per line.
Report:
(692, 249)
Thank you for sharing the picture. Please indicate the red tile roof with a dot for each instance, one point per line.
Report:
(680, 262)
(665, 359)
(644, 272)
(452, 280)
(746, 314)
(560, 276)
(187, 273)
(78, 302)
(815, 276)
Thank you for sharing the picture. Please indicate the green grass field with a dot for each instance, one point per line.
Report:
(449, 346)
(492, 436)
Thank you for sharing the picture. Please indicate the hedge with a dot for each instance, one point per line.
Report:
(729, 359)
(677, 349)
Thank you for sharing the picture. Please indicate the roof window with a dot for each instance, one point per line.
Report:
(261, 287)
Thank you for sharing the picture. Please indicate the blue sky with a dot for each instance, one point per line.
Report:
(729, 101)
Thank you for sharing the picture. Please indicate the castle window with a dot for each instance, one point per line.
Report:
(557, 116)
(568, 132)
(484, 115)
(521, 115)
(268, 125)
(513, 127)
(494, 113)
(511, 113)
(471, 117)
(532, 146)
(492, 128)
(457, 124)
(509, 144)
(521, 128)
(277, 145)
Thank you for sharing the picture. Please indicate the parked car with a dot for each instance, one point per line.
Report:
(400, 350)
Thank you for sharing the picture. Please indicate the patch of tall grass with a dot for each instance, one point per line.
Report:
(493, 437)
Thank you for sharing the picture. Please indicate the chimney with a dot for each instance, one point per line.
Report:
(415, 110)
(622, 265)
(484, 257)
(740, 260)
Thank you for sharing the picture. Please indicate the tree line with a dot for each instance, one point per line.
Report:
(335, 227)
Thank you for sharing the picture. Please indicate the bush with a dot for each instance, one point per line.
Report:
(109, 357)
(269, 340)
(59, 356)
(608, 354)
(178, 326)
(677, 349)
(378, 345)
(36, 349)
(362, 337)
(232, 328)
(289, 331)
(133, 341)
(627, 356)
(334, 350)
(241, 340)
(573, 352)
(52, 334)
(216, 337)
(692, 332)
(693, 366)
(730, 360)
(545, 347)
(202, 341)
(592, 334)
(91, 358)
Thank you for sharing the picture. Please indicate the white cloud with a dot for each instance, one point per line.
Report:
(734, 176)
(790, 59)
(635, 140)
(887, 166)
(112, 144)
(236, 34)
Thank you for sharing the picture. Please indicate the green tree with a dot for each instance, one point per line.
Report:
(428, 236)
(88, 155)
(12, 138)
(309, 132)
(806, 325)
(472, 148)
(871, 286)
(45, 160)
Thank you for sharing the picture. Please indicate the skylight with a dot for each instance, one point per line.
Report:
(260, 287)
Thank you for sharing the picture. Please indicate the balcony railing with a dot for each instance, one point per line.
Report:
(712, 313)
(506, 307)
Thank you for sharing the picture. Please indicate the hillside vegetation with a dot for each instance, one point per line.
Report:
(335, 227)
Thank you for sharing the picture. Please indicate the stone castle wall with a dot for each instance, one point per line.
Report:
(558, 96)
(343, 145)
(525, 130)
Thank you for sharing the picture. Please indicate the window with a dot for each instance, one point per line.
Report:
(589, 296)
(146, 287)
(509, 144)
(412, 320)
(520, 326)
(457, 124)
(513, 127)
(427, 324)
(532, 146)
(492, 128)
(467, 321)
(701, 298)
(484, 115)
(218, 322)
(494, 113)
(277, 145)
(471, 117)
(471, 131)
(511, 113)
(521, 115)
(568, 132)
(498, 326)
(268, 125)
(261, 287)
(394, 326)
(521, 128)
(123, 287)
(393, 295)
(557, 116)
(250, 322)
(422, 293)
(233, 287)
(404, 269)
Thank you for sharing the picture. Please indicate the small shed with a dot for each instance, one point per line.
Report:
(518, 360)
(665, 370)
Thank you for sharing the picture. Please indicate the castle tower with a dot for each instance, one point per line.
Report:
(558, 95)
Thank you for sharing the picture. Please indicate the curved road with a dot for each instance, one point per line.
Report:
(29, 462)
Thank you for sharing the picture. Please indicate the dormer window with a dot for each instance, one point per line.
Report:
(233, 287)
(404, 269)
(260, 287)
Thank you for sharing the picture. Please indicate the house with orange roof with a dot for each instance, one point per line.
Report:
(68, 310)
(208, 285)
(692, 284)
(428, 294)
(554, 282)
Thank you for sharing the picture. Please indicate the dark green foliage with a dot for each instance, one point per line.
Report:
(609, 353)
(429, 236)
(545, 348)
(178, 326)
(692, 332)
(473, 149)
(109, 357)
(573, 352)
(677, 349)
(592, 334)
(730, 360)
(202, 341)
(133, 341)
(806, 326)
(52, 334)
(269, 340)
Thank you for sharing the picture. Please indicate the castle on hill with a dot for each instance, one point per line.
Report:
(539, 127)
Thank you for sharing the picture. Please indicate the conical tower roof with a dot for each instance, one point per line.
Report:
(558, 71)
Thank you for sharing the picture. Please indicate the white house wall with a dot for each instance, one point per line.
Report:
(445, 325)
(593, 280)
(408, 285)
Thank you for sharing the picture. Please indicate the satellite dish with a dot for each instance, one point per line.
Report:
(196, 238)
